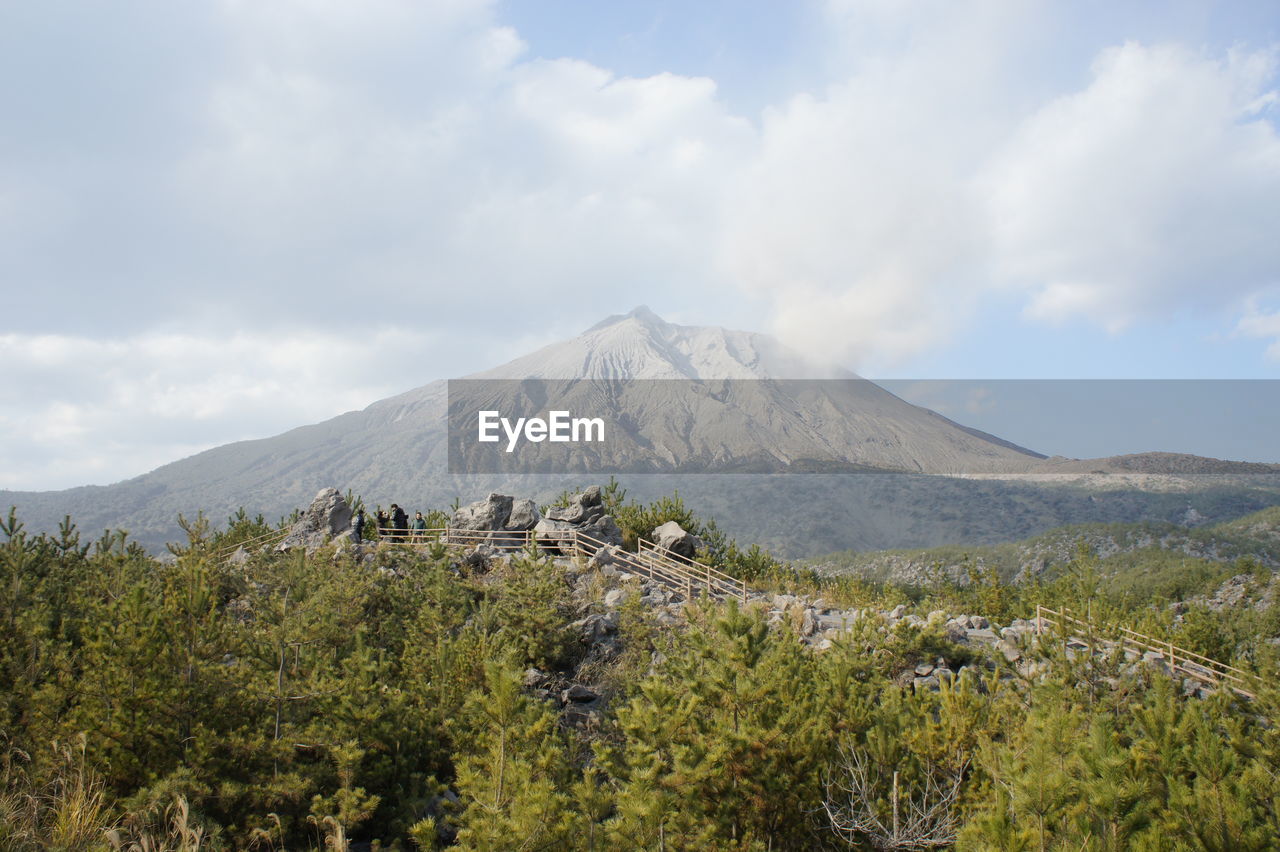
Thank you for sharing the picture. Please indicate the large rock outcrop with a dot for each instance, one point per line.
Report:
(676, 539)
(585, 513)
(326, 518)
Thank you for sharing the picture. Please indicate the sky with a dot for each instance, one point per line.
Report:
(222, 220)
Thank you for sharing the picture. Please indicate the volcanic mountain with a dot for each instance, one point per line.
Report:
(758, 406)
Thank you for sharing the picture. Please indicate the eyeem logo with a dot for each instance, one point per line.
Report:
(558, 428)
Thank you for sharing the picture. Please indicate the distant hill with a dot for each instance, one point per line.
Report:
(1140, 553)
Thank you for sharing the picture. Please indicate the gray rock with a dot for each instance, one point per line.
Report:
(606, 555)
(579, 694)
(983, 635)
(614, 598)
(898, 611)
(605, 529)
(524, 515)
(240, 557)
(534, 677)
(673, 537)
(924, 669)
(808, 623)
(979, 622)
(1010, 650)
(582, 509)
(492, 513)
(554, 536)
(326, 518)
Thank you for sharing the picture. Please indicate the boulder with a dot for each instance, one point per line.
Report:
(808, 623)
(582, 509)
(606, 555)
(673, 537)
(554, 536)
(1011, 651)
(524, 515)
(603, 528)
(327, 517)
(492, 513)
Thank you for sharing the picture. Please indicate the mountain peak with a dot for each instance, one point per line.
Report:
(640, 313)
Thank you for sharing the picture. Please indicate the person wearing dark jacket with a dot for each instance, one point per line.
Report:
(384, 523)
(419, 527)
(399, 520)
(357, 526)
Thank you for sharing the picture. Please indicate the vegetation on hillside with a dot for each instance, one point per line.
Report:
(299, 701)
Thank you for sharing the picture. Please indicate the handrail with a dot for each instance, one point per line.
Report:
(659, 564)
(700, 572)
(260, 539)
(1207, 669)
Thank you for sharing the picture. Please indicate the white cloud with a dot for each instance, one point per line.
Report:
(1154, 189)
(110, 409)
(880, 214)
(1260, 323)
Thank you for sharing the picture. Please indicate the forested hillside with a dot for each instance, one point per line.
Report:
(424, 698)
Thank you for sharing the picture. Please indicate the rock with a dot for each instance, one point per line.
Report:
(240, 557)
(492, 513)
(930, 683)
(534, 678)
(327, 517)
(897, 612)
(1010, 650)
(582, 509)
(579, 694)
(979, 622)
(479, 559)
(595, 629)
(924, 669)
(606, 555)
(808, 623)
(605, 529)
(524, 515)
(956, 633)
(555, 537)
(614, 598)
(983, 635)
(674, 538)
(912, 620)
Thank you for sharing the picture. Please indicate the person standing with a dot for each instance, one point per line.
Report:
(357, 526)
(399, 520)
(384, 523)
(419, 527)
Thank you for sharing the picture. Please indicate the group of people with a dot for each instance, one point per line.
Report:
(392, 525)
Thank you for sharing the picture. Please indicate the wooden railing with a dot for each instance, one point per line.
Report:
(266, 539)
(1179, 660)
(658, 564)
(716, 582)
